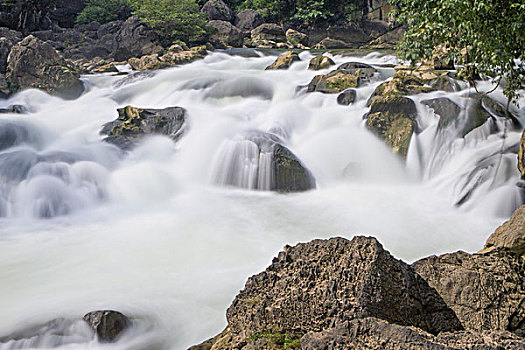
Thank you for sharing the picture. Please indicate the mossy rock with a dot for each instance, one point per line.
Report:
(333, 82)
(284, 61)
(393, 129)
(289, 174)
(361, 70)
(320, 62)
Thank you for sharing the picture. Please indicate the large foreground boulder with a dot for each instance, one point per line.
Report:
(316, 285)
(35, 64)
(375, 334)
(486, 291)
(284, 61)
(510, 235)
(107, 324)
(134, 123)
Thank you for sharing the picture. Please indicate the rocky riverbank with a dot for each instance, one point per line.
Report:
(341, 294)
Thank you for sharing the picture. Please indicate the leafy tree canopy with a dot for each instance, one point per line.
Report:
(486, 36)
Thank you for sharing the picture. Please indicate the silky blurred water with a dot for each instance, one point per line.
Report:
(161, 234)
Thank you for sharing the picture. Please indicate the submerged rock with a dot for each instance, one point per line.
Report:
(375, 334)
(134, 123)
(393, 119)
(284, 61)
(320, 62)
(510, 235)
(33, 63)
(347, 97)
(108, 325)
(311, 286)
(486, 291)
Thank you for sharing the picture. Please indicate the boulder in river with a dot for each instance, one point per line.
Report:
(333, 82)
(108, 325)
(320, 62)
(362, 70)
(347, 97)
(134, 123)
(313, 286)
(510, 235)
(284, 61)
(393, 119)
(33, 63)
(486, 291)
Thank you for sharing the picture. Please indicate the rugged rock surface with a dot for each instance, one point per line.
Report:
(393, 119)
(486, 291)
(35, 64)
(521, 156)
(218, 10)
(267, 32)
(347, 97)
(510, 235)
(375, 334)
(334, 82)
(248, 19)
(295, 37)
(134, 123)
(320, 62)
(447, 110)
(225, 34)
(364, 71)
(135, 39)
(108, 325)
(8, 38)
(284, 61)
(312, 286)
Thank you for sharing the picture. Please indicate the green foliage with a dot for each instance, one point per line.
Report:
(278, 340)
(173, 19)
(487, 36)
(102, 11)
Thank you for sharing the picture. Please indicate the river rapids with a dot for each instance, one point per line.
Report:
(169, 232)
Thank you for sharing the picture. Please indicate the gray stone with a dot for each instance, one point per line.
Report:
(218, 10)
(248, 19)
(108, 325)
(225, 34)
(510, 235)
(347, 97)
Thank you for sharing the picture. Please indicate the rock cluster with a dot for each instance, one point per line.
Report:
(340, 294)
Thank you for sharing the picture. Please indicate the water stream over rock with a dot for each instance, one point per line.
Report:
(168, 232)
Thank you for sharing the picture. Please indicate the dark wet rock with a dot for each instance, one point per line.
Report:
(445, 83)
(14, 109)
(225, 34)
(109, 29)
(218, 10)
(333, 82)
(320, 62)
(347, 97)
(510, 235)
(497, 110)
(108, 325)
(362, 70)
(314, 285)
(447, 110)
(248, 19)
(284, 61)
(64, 12)
(393, 119)
(268, 32)
(8, 38)
(521, 156)
(486, 291)
(135, 123)
(35, 64)
(4, 87)
(135, 39)
(290, 175)
(375, 334)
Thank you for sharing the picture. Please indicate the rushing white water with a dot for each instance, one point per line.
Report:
(162, 233)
